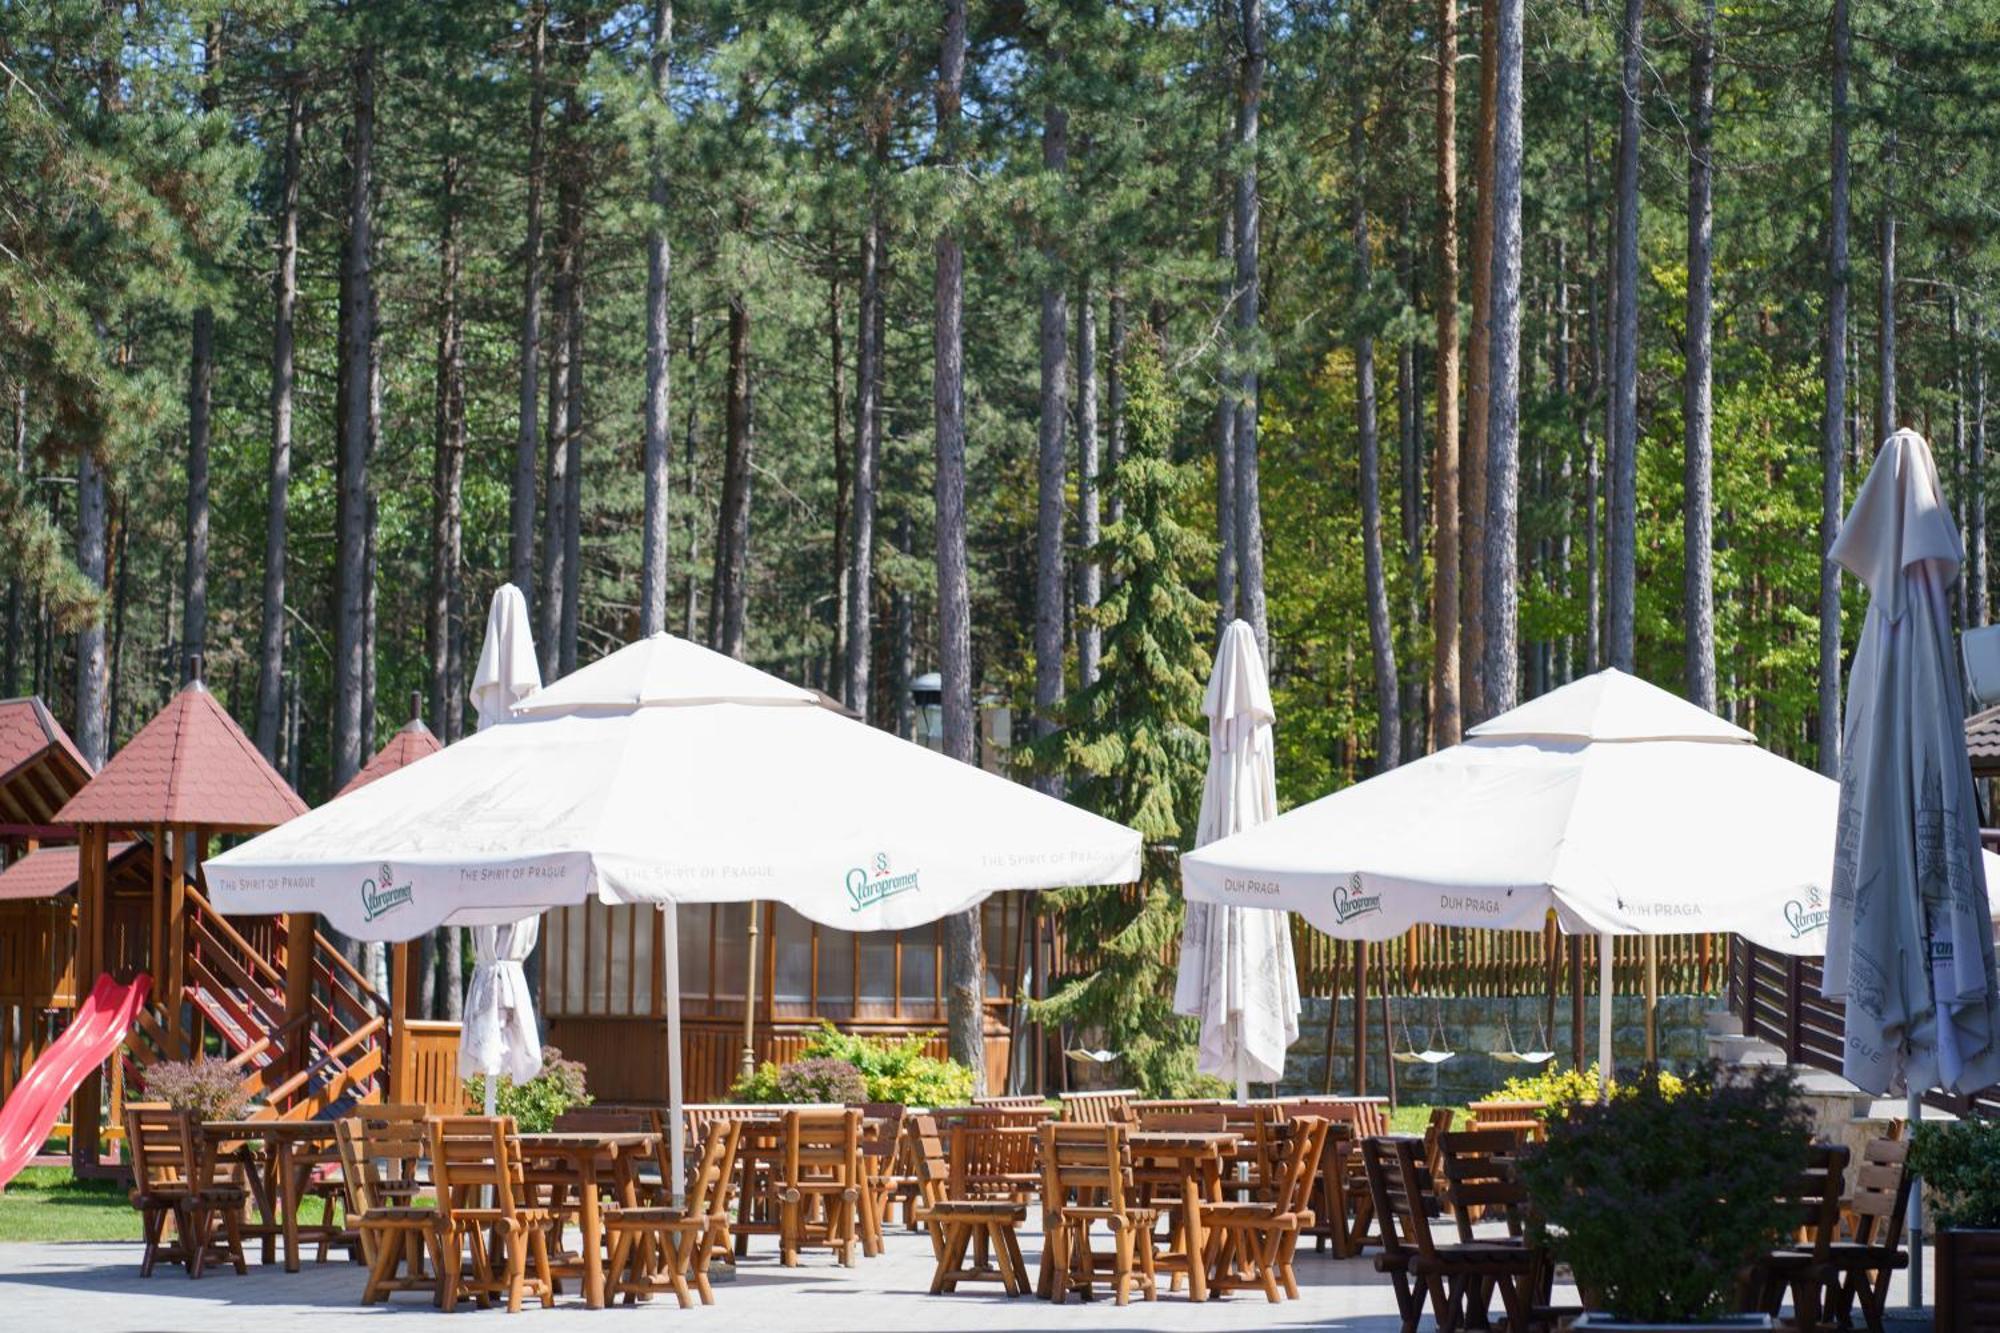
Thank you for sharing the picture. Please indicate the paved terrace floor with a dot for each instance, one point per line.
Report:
(95, 1288)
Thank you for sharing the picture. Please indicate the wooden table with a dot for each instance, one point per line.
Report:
(1197, 1158)
(759, 1152)
(580, 1158)
(275, 1174)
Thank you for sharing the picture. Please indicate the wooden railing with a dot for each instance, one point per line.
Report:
(1461, 960)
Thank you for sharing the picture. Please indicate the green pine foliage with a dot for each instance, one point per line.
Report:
(1136, 745)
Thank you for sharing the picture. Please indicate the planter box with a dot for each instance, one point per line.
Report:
(1968, 1279)
(1604, 1323)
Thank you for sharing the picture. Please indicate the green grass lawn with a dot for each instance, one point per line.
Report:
(48, 1203)
(1412, 1119)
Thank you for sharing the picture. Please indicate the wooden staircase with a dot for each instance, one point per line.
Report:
(233, 999)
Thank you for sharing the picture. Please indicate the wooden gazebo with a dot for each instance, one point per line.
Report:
(189, 776)
(40, 769)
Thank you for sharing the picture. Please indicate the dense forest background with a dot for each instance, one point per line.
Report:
(1501, 341)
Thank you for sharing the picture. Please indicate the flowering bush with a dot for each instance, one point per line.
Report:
(898, 1072)
(821, 1078)
(1561, 1089)
(536, 1103)
(205, 1087)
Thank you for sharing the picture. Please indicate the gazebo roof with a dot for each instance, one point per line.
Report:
(1982, 742)
(50, 871)
(413, 742)
(190, 765)
(40, 766)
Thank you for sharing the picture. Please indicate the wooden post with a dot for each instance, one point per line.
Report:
(1652, 999)
(1361, 1018)
(169, 981)
(1388, 1048)
(85, 1114)
(402, 1056)
(299, 928)
(1576, 995)
(747, 1063)
(1332, 1021)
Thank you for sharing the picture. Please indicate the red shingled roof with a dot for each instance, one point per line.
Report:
(48, 872)
(412, 743)
(190, 765)
(27, 732)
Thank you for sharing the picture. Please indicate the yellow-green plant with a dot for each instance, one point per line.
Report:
(1561, 1088)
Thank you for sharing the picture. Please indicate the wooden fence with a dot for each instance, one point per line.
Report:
(1465, 960)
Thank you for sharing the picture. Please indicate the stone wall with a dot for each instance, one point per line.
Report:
(1474, 1027)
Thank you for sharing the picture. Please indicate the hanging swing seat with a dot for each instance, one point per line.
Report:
(1514, 1055)
(1430, 1055)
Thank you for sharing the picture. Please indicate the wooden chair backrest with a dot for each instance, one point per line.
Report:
(1184, 1122)
(382, 1151)
(1880, 1201)
(1022, 1101)
(823, 1146)
(933, 1167)
(1098, 1108)
(1471, 1179)
(471, 1154)
(1176, 1106)
(1814, 1204)
(162, 1144)
(1368, 1117)
(1387, 1188)
(605, 1120)
(708, 1191)
(1297, 1170)
(1090, 1162)
(881, 1129)
(1411, 1215)
(988, 1158)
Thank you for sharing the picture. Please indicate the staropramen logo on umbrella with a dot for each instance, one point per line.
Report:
(871, 884)
(381, 894)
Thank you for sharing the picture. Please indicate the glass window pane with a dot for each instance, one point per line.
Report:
(998, 926)
(792, 983)
(920, 970)
(878, 973)
(575, 929)
(615, 939)
(836, 974)
(643, 930)
(697, 921)
(732, 948)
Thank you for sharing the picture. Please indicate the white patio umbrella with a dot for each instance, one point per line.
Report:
(1236, 971)
(1910, 944)
(499, 1035)
(666, 773)
(1622, 808)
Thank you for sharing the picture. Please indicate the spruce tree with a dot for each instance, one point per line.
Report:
(1136, 743)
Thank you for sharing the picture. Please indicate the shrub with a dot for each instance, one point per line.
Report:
(536, 1103)
(1658, 1201)
(898, 1072)
(821, 1078)
(205, 1087)
(1569, 1086)
(1959, 1163)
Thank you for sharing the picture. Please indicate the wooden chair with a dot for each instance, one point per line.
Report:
(1086, 1179)
(1805, 1269)
(471, 1156)
(1098, 1108)
(1251, 1242)
(1471, 1182)
(382, 1151)
(881, 1135)
(175, 1179)
(1344, 1209)
(972, 1227)
(1522, 1118)
(1022, 1101)
(656, 1249)
(1859, 1269)
(1459, 1279)
(819, 1185)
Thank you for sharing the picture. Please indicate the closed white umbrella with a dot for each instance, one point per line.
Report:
(1910, 944)
(666, 773)
(499, 1035)
(1236, 971)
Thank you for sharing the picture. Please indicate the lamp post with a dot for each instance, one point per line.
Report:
(927, 692)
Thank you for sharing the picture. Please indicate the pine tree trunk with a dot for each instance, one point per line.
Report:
(1698, 461)
(454, 973)
(16, 603)
(285, 293)
(1500, 672)
(1226, 558)
(1625, 352)
(1833, 499)
(573, 442)
(448, 469)
(843, 486)
(902, 616)
(1381, 644)
(521, 539)
(201, 399)
(1886, 420)
(690, 438)
(1249, 492)
(1478, 365)
(351, 536)
(653, 533)
(1446, 702)
(1114, 401)
(732, 554)
(555, 468)
(1975, 536)
(1089, 575)
(1052, 465)
(1593, 476)
(867, 456)
(92, 727)
(964, 951)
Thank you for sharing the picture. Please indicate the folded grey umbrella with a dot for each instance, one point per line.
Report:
(1910, 939)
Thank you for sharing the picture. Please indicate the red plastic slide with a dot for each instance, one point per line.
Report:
(97, 1031)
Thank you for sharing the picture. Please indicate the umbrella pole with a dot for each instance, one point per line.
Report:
(1605, 982)
(676, 1126)
(1914, 1114)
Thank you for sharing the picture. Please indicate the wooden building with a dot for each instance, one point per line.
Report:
(602, 990)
